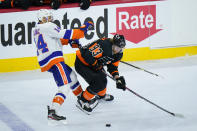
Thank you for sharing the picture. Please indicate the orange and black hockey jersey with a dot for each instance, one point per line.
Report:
(100, 51)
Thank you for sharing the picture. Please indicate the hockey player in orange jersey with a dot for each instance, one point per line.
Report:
(49, 38)
(90, 62)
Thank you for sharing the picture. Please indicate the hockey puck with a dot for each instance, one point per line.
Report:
(108, 125)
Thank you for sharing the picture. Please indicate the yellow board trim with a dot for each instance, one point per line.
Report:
(133, 54)
(18, 64)
(140, 54)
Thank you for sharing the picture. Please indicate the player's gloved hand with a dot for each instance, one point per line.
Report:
(105, 60)
(74, 43)
(86, 26)
(120, 83)
(85, 4)
(97, 67)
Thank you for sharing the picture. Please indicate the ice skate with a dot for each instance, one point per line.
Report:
(54, 119)
(86, 106)
(106, 97)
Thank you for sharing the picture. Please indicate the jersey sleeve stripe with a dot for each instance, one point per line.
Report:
(64, 41)
(77, 34)
(67, 34)
(95, 63)
(116, 63)
(114, 72)
(78, 53)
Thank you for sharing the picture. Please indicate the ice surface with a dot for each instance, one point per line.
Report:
(24, 97)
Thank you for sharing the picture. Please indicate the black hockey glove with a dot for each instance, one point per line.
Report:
(105, 60)
(84, 4)
(74, 43)
(97, 67)
(120, 83)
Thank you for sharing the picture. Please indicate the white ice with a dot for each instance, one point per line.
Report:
(27, 94)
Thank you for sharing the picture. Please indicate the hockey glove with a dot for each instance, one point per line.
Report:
(74, 43)
(97, 67)
(120, 83)
(84, 4)
(87, 26)
(105, 60)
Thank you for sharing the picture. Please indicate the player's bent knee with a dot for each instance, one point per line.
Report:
(65, 89)
(73, 78)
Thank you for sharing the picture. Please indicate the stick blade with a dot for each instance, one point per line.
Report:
(179, 115)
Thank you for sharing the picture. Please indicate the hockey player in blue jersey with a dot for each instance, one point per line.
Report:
(49, 40)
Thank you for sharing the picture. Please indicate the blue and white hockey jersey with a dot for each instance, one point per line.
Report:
(49, 47)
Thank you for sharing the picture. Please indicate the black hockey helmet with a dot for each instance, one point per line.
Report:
(119, 40)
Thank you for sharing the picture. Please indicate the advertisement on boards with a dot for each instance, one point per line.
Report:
(144, 24)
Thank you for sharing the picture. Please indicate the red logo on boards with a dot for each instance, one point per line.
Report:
(136, 23)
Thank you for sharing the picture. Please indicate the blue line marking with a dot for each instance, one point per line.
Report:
(12, 121)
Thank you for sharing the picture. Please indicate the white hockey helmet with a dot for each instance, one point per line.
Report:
(44, 13)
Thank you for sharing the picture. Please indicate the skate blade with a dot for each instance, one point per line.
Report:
(84, 111)
(56, 123)
(105, 101)
(94, 105)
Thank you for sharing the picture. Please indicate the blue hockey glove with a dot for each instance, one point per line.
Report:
(87, 26)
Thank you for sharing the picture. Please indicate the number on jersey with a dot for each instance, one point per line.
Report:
(41, 45)
(96, 50)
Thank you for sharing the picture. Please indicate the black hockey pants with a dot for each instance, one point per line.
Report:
(96, 79)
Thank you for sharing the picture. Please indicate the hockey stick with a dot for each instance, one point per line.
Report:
(140, 68)
(171, 113)
(136, 94)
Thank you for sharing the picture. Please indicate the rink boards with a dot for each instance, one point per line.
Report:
(151, 32)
